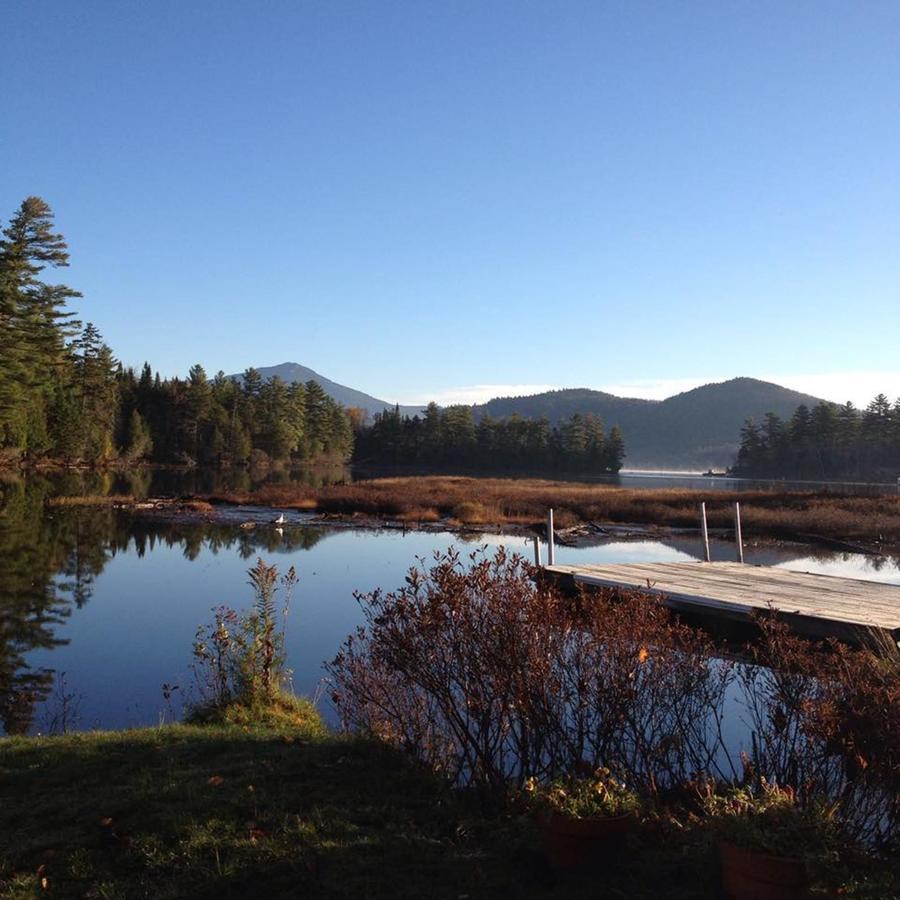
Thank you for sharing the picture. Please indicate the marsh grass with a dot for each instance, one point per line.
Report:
(872, 519)
(91, 500)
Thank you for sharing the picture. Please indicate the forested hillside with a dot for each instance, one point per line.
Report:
(696, 429)
(444, 439)
(64, 396)
(827, 441)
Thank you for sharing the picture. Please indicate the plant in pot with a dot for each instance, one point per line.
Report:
(767, 838)
(579, 816)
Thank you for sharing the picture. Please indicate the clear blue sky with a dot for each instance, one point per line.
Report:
(416, 197)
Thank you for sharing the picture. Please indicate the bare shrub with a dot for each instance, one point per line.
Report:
(828, 722)
(241, 657)
(490, 677)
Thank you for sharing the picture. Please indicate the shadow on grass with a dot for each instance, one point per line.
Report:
(228, 811)
(219, 811)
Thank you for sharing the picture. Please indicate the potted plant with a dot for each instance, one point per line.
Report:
(578, 816)
(766, 839)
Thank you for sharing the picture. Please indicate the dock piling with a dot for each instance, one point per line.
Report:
(551, 549)
(704, 531)
(738, 538)
(537, 550)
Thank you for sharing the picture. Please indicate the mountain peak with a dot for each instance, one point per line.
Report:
(696, 429)
(291, 372)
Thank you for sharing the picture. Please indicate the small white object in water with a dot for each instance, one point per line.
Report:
(280, 519)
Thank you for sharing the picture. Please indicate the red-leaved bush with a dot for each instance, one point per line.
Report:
(490, 675)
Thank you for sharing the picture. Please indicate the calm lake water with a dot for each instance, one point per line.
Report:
(113, 602)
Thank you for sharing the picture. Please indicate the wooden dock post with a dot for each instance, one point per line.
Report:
(704, 531)
(537, 551)
(551, 549)
(738, 538)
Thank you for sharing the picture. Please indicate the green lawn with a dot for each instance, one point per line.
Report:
(282, 810)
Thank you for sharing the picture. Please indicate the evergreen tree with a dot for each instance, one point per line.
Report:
(34, 324)
(829, 442)
(140, 443)
(615, 450)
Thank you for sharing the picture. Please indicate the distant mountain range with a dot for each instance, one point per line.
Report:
(697, 429)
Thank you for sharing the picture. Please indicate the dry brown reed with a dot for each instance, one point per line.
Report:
(869, 519)
(92, 500)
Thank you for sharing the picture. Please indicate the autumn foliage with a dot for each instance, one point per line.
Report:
(491, 676)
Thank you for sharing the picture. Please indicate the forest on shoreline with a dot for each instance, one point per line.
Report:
(828, 442)
(65, 399)
(444, 439)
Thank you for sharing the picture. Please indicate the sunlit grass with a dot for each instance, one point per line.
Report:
(486, 501)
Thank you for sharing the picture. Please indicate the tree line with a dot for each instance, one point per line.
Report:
(450, 437)
(829, 441)
(64, 396)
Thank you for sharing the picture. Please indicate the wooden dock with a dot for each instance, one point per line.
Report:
(816, 606)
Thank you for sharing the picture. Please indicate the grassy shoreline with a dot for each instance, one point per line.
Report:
(230, 810)
(246, 811)
(871, 521)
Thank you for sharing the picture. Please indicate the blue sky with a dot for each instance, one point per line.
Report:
(434, 199)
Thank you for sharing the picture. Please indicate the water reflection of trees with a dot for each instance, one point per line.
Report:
(50, 558)
(161, 482)
(32, 551)
(194, 538)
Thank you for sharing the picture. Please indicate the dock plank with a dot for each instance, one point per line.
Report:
(821, 604)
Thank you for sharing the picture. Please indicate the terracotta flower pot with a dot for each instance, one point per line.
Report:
(576, 842)
(750, 875)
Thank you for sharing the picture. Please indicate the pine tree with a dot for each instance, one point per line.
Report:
(34, 324)
(95, 385)
(615, 450)
(140, 443)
